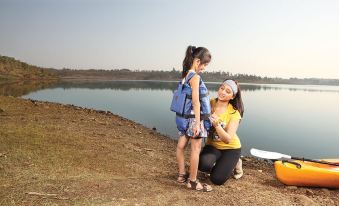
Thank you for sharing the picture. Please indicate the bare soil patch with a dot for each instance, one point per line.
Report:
(54, 154)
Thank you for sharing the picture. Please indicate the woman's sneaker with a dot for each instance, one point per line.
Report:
(238, 172)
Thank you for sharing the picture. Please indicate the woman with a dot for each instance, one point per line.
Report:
(223, 148)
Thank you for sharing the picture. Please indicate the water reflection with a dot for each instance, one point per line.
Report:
(116, 85)
(25, 87)
(21, 88)
(170, 85)
(305, 88)
(140, 85)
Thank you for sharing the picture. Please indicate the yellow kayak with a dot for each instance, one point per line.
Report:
(303, 173)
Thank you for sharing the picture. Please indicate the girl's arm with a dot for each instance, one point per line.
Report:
(194, 82)
(226, 135)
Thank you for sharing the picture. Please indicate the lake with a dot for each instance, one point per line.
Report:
(299, 120)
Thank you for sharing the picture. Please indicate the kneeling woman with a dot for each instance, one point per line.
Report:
(223, 149)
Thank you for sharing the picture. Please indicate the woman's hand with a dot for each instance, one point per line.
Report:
(215, 120)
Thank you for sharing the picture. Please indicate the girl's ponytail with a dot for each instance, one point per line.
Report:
(188, 61)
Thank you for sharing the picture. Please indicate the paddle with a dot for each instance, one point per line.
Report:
(279, 156)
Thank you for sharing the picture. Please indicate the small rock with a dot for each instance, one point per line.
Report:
(108, 112)
(246, 159)
(303, 200)
(33, 102)
(260, 171)
(137, 149)
(101, 112)
(325, 191)
(309, 192)
(139, 132)
(150, 153)
(292, 187)
(154, 129)
(1, 110)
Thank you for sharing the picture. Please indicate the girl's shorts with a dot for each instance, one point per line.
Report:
(189, 132)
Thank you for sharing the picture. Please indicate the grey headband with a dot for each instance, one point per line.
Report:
(233, 86)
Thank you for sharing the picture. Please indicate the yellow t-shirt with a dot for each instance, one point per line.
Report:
(224, 118)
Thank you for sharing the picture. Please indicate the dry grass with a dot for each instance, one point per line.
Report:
(74, 156)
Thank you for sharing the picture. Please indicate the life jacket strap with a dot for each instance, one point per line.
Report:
(188, 96)
(187, 116)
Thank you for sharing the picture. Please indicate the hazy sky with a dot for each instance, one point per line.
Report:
(284, 38)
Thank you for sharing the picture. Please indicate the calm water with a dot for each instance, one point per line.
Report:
(295, 120)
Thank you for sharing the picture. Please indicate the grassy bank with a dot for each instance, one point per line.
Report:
(53, 154)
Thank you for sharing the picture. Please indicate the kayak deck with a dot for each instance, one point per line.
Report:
(303, 173)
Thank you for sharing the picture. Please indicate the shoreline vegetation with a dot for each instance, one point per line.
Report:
(52, 154)
(12, 70)
(174, 75)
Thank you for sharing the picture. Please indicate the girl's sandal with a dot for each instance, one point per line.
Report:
(182, 178)
(193, 186)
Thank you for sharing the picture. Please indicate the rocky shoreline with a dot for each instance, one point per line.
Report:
(67, 155)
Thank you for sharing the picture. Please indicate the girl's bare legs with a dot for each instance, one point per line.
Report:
(182, 142)
(194, 159)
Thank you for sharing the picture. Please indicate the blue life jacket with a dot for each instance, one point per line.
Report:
(182, 103)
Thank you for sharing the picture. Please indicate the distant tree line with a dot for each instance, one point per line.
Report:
(12, 69)
(173, 75)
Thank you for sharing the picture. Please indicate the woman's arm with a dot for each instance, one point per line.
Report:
(226, 135)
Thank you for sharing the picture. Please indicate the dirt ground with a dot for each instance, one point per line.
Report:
(54, 154)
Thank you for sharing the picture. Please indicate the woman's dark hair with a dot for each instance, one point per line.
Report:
(191, 53)
(237, 100)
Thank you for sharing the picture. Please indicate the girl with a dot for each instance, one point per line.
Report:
(195, 61)
(223, 149)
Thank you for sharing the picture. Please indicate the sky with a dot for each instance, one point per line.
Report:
(274, 38)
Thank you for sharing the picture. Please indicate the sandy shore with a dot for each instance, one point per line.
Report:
(54, 154)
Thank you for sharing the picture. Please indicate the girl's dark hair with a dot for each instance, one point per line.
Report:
(191, 53)
(237, 100)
